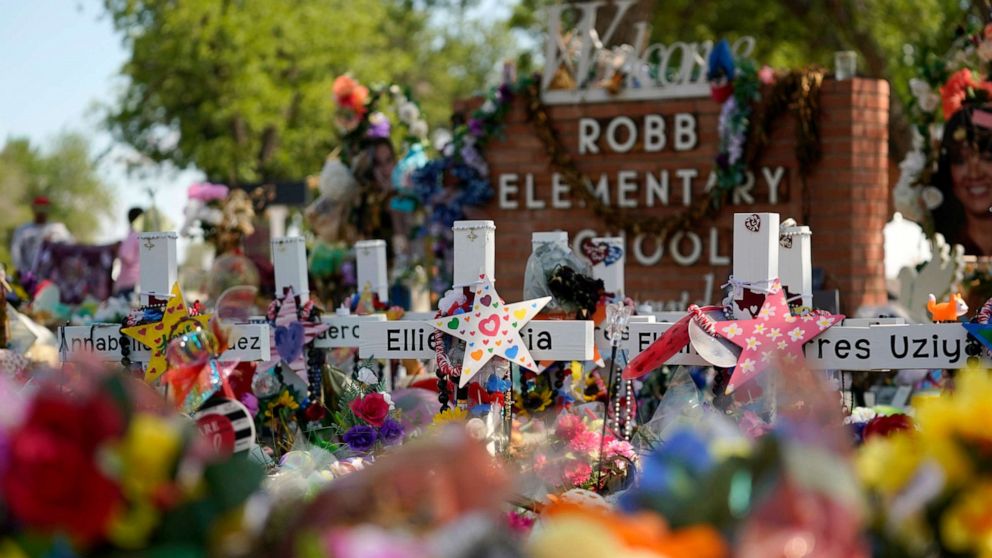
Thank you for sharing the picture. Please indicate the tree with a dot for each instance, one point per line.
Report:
(66, 174)
(242, 88)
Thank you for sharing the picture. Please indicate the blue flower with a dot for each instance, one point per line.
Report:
(495, 383)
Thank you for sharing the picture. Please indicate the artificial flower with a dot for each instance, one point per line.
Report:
(207, 192)
(967, 525)
(932, 197)
(584, 442)
(149, 452)
(391, 432)
(407, 112)
(452, 414)
(379, 126)
(578, 472)
(887, 425)
(350, 94)
(373, 408)
(51, 481)
(569, 426)
(360, 438)
(959, 87)
(926, 99)
(367, 376)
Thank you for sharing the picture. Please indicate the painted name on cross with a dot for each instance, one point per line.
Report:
(248, 342)
(545, 339)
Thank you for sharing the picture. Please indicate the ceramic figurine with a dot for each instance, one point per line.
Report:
(948, 311)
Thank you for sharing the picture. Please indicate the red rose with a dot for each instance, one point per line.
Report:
(884, 426)
(52, 484)
(372, 408)
(954, 92)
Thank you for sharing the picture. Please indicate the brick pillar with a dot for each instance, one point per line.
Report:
(849, 193)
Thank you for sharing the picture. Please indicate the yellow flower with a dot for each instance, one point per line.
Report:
(450, 415)
(967, 524)
(887, 464)
(131, 528)
(285, 399)
(149, 452)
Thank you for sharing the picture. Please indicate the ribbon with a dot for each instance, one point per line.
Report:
(737, 286)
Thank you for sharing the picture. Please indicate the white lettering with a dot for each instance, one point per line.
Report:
(687, 175)
(531, 203)
(685, 131)
(507, 186)
(715, 257)
(588, 136)
(654, 133)
(639, 251)
(602, 189)
(557, 189)
(676, 244)
(773, 181)
(626, 183)
(657, 188)
(742, 193)
(611, 134)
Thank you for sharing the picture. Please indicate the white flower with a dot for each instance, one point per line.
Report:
(860, 415)
(925, 97)
(782, 345)
(932, 197)
(774, 334)
(747, 365)
(767, 312)
(408, 113)
(367, 376)
(752, 343)
(395, 90)
(419, 129)
(759, 328)
(440, 138)
(796, 334)
(985, 51)
(389, 400)
(766, 357)
(732, 330)
(488, 107)
(824, 322)
(913, 163)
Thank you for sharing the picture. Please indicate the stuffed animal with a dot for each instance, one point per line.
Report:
(948, 311)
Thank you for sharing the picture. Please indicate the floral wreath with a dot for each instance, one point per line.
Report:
(945, 85)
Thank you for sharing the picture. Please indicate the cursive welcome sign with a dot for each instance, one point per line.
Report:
(656, 71)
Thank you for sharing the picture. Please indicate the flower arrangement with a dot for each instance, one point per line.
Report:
(89, 469)
(930, 486)
(367, 421)
(945, 83)
(571, 458)
(223, 215)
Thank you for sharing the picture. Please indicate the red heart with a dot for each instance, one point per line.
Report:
(485, 341)
(490, 325)
(142, 331)
(471, 333)
(596, 252)
(160, 326)
(503, 332)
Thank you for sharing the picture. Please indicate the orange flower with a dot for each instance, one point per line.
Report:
(350, 94)
(955, 91)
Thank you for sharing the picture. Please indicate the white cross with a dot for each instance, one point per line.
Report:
(158, 272)
(855, 344)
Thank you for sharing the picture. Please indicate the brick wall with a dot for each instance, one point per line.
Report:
(848, 192)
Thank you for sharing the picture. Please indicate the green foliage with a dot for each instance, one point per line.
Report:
(242, 89)
(66, 174)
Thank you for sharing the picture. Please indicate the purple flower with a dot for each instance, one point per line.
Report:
(476, 127)
(250, 402)
(391, 432)
(360, 438)
(379, 126)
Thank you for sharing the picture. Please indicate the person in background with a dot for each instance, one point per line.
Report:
(129, 255)
(27, 238)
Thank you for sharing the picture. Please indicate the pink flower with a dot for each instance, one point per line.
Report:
(585, 442)
(619, 448)
(578, 472)
(519, 523)
(540, 462)
(205, 191)
(569, 426)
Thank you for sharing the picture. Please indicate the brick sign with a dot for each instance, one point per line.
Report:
(656, 157)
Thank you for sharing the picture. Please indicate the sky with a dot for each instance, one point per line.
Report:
(59, 61)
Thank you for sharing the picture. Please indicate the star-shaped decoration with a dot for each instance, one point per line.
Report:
(289, 334)
(175, 321)
(491, 329)
(773, 333)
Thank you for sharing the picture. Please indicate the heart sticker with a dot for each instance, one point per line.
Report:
(511, 352)
(453, 323)
(486, 300)
(519, 314)
(476, 355)
(489, 326)
(289, 341)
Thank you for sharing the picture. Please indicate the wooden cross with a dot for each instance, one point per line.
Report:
(855, 344)
(158, 272)
(475, 249)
